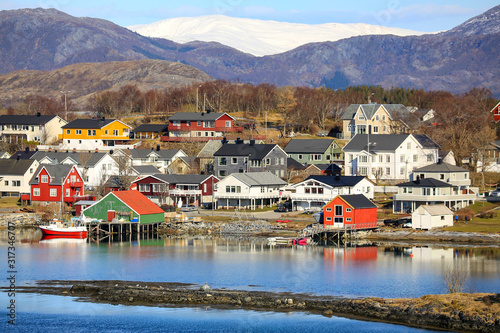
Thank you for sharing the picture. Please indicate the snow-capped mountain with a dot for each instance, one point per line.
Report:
(258, 37)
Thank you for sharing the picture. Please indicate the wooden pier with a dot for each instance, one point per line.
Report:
(100, 231)
(334, 235)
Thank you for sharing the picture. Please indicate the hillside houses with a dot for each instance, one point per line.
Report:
(39, 128)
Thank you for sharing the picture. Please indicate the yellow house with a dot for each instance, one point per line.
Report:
(94, 133)
(379, 118)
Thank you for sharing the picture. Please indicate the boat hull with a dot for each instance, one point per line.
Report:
(80, 232)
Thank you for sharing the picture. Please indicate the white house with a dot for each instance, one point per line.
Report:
(39, 128)
(159, 158)
(431, 216)
(439, 183)
(317, 190)
(388, 157)
(15, 175)
(249, 190)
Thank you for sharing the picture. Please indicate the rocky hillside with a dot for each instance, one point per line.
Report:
(84, 79)
(457, 60)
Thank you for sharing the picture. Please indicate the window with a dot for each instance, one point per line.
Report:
(282, 161)
(144, 187)
(361, 117)
(338, 210)
(441, 176)
(228, 123)
(45, 178)
(375, 129)
(68, 192)
(338, 220)
(16, 183)
(233, 189)
(348, 210)
(383, 119)
(68, 131)
(53, 192)
(268, 161)
(116, 132)
(176, 123)
(363, 158)
(388, 158)
(348, 219)
(430, 158)
(328, 209)
(350, 157)
(381, 158)
(402, 171)
(442, 218)
(36, 192)
(408, 145)
(363, 171)
(89, 132)
(415, 158)
(388, 171)
(106, 132)
(376, 117)
(300, 156)
(234, 160)
(328, 218)
(222, 173)
(316, 157)
(32, 128)
(158, 188)
(222, 161)
(6, 183)
(402, 158)
(79, 132)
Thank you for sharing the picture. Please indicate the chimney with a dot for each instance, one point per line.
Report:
(18, 157)
(208, 111)
(418, 180)
(252, 142)
(55, 151)
(67, 151)
(38, 114)
(74, 150)
(111, 152)
(157, 147)
(27, 149)
(203, 113)
(97, 150)
(224, 140)
(440, 161)
(50, 149)
(337, 177)
(103, 118)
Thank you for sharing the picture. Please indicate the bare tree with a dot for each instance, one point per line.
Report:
(455, 279)
(126, 173)
(84, 161)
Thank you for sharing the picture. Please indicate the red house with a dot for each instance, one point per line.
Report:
(56, 183)
(170, 188)
(196, 126)
(496, 112)
(354, 211)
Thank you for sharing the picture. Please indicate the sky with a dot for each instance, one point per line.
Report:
(420, 15)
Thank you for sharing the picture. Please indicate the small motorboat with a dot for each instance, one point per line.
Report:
(63, 229)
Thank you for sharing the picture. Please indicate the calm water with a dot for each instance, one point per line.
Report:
(237, 264)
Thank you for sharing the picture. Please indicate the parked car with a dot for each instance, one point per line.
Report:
(495, 192)
(188, 208)
(206, 205)
(284, 207)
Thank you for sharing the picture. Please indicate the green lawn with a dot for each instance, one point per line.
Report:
(9, 202)
(477, 225)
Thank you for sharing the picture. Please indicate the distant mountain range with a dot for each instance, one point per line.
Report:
(258, 37)
(456, 60)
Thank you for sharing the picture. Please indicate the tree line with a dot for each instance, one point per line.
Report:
(463, 123)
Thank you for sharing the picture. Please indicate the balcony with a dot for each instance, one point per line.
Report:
(184, 192)
(265, 195)
(75, 183)
(435, 198)
(166, 138)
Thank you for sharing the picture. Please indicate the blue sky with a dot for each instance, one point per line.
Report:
(409, 14)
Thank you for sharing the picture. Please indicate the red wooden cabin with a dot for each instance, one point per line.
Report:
(57, 183)
(354, 211)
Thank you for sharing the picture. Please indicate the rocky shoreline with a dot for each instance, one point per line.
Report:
(454, 312)
(433, 236)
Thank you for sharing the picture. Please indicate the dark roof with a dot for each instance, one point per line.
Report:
(308, 145)
(292, 163)
(253, 151)
(265, 178)
(88, 123)
(57, 172)
(181, 179)
(370, 109)
(358, 201)
(325, 166)
(23, 154)
(377, 142)
(90, 158)
(337, 181)
(195, 116)
(151, 128)
(14, 167)
(426, 182)
(441, 167)
(25, 119)
(425, 141)
(146, 169)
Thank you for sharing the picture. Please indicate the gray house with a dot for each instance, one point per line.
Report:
(314, 151)
(251, 157)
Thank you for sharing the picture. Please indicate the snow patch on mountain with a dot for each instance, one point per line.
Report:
(258, 37)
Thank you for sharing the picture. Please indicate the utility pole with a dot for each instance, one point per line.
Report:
(65, 104)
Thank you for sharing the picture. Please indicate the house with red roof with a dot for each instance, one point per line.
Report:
(130, 206)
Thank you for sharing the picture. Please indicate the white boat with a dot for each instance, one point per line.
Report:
(63, 229)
